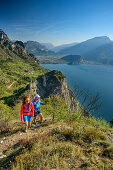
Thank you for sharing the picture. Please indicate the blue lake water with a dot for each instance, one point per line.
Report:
(92, 77)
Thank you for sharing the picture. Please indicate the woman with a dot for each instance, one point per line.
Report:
(27, 111)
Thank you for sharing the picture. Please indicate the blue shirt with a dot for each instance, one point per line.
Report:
(37, 104)
(27, 106)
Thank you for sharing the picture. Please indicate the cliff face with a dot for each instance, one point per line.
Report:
(53, 83)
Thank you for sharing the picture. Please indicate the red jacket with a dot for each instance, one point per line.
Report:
(26, 112)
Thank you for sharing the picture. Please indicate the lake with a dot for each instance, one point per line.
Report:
(92, 77)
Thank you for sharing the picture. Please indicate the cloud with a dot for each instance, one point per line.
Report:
(31, 26)
(52, 26)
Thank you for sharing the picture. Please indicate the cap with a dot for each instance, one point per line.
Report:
(37, 95)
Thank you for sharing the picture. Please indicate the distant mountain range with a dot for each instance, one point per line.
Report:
(102, 54)
(63, 47)
(44, 49)
(86, 46)
(37, 49)
(98, 49)
(49, 46)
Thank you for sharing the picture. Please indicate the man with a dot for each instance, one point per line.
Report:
(36, 102)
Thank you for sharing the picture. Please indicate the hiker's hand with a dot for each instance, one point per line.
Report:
(35, 110)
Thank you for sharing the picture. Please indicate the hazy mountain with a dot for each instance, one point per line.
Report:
(36, 48)
(71, 59)
(102, 54)
(63, 46)
(86, 46)
(49, 46)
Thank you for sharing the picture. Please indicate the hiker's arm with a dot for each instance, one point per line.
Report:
(32, 110)
(33, 106)
(21, 112)
(42, 103)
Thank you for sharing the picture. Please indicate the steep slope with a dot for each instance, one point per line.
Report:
(18, 77)
(37, 49)
(86, 46)
(54, 83)
(17, 68)
(16, 48)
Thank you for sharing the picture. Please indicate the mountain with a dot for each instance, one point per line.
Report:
(63, 46)
(86, 46)
(37, 49)
(71, 59)
(15, 48)
(49, 46)
(102, 54)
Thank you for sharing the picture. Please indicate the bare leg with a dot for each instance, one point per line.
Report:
(26, 125)
(29, 124)
(41, 117)
(35, 119)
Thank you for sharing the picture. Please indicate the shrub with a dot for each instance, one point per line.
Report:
(92, 133)
(5, 117)
(56, 108)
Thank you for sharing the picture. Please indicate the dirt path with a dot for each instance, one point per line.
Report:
(11, 84)
(9, 143)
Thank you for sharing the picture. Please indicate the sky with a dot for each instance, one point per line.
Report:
(56, 21)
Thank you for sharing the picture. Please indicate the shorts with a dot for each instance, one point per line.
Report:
(36, 113)
(27, 118)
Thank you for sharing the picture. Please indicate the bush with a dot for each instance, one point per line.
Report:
(56, 108)
(5, 117)
(92, 133)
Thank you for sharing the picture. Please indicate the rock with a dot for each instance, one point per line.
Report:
(54, 82)
(20, 43)
(2, 156)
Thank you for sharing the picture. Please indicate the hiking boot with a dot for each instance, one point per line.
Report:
(25, 130)
(38, 123)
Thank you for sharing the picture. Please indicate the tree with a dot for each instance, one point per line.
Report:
(90, 103)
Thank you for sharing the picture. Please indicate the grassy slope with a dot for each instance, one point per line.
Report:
(69, 142)
(15, 74)
(73, 143)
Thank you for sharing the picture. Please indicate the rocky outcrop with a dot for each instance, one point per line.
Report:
(3, 36)
(20, 43)
(54, 82)
(17, 47)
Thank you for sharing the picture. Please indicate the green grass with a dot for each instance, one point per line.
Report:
(71, 142)
(65, 146)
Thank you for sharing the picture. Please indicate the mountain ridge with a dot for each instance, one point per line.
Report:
(84, 46)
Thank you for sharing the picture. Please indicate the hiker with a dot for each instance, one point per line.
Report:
(36, 102)
(27, 111)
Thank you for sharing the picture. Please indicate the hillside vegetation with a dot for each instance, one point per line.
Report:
(66, 139)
